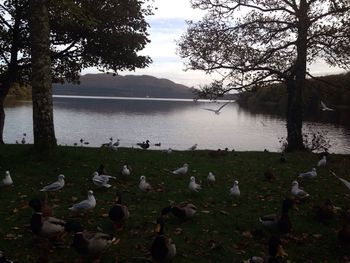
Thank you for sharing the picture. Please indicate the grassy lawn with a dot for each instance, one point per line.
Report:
(228, 223)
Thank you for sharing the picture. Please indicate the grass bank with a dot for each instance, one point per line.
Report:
(228, 223)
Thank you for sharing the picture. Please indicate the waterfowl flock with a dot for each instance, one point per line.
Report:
(162, 248)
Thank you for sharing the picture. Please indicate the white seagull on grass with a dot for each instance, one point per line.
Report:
(54, 186)
(211, 177)
(87, 204)
(217, 111)
(308, 175)
(193, 186)
(323, 161)
(143, 185)
(101, 180)
(297, 192)
(182, 170)
(7, 181)
(234, 191)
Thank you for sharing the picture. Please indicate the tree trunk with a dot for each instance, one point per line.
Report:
(296, 82)
(294, 117)
(43, 125)
(3, 93)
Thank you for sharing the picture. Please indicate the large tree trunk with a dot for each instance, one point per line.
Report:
(3, 93)
(43, 125)
(296, 83)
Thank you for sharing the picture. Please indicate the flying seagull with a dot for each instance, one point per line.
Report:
(325, 108)
(217, 112)
(345, 182)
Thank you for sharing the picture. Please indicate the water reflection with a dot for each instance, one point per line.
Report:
(176, 124)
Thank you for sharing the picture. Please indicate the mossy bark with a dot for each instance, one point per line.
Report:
(43, 124)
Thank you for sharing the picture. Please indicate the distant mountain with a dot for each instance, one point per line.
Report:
(124, 86)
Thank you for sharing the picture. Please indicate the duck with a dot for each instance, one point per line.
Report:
(45, 226)
(193, 186)
(89, 243)
(157, 144)
(143, 185)
(324, 212)
(118, 213)
(182, 170)
(308, 175)
(126, 171)
(144, 145)
(234, 190)
(193, 147)
(322, 162)
(211, 177)
(281, 222)
(275, 251)
(101, 180)
(183, 210)
(297, 192)
(163, 248)
(7, 181)
(55, 186)
(85, 205)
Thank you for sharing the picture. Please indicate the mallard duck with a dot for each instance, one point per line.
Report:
(323, 161)
(325, 211)
(297, 192)
(55, 186)
(308, 175)
(144, 145)
(7, 181)
(87, 204)
(183, 210)
(275, 251)
(89, 243)
(234, 190)
(163, 248)
(143, 185)
(118, 213)
(47, 227)
(101, 180)
(193, 186)
(182, 170)
(281, 223)
(211, 177)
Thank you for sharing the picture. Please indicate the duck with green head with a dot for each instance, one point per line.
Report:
(118, 213)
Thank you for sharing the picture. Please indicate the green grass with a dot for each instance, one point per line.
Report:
(227, 223)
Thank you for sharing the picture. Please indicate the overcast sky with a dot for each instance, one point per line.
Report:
(167, 26)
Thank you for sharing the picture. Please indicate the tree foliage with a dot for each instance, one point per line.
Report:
(253, 43)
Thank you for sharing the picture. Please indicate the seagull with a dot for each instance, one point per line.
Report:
(325, 108)
(217, 112)
(182, 170)
(345, 182)
(101, 180)
(323, 161)
(309, 175)
(54, 186)
(297, 192)
(7, 181)
(193, 147)
(234, 191)
(87, 204)
(143, 185)
(193, 186)
(126, 170)
(211, 177)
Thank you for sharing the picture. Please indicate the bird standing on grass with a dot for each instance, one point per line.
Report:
(308, 175)
(126, 171)
(211, 177)
(143, 185)
(183, 210)
(85, 205)
(163, 248)
(193, 186)
(297, 192)
(144, 145)
(323, 161)
(101, 180)
(55, 186)
(234, 191)
(7, 181)
(182, 170)
(118, 213)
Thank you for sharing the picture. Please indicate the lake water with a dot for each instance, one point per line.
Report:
(175, 123)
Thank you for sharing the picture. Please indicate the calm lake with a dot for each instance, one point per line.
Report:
(174, 123)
